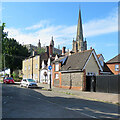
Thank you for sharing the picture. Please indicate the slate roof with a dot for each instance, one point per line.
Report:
(76, 61)
(115, 59)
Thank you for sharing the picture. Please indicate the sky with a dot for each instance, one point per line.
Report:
(28, 22)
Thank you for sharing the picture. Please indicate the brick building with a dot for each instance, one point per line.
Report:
(70, 71)
(114, 64)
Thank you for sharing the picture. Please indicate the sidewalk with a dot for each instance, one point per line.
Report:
(95, 96)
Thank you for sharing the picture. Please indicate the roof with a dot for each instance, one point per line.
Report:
(44, 56)
(115, 59)
(76, 61)
(99, 55)
(106, 68)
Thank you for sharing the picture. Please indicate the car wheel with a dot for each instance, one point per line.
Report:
(27, 86)
(21, 85)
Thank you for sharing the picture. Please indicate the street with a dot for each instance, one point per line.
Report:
(37, 103)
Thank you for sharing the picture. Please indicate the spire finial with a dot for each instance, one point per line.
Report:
(52, 38)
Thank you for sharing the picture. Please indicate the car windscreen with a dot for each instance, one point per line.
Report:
(10, 78)
(31, 80)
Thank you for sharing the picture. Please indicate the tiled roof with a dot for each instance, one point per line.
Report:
(98, 55)
(76, 61)
(115, 59)
(106, 68)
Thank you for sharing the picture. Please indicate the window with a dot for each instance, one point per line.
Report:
(57, 67)
(29, 67)
(101, 62)
(56, 76)
(36, 57)
(116, 67)
(36, 76)
(25, 67)
(36, 66)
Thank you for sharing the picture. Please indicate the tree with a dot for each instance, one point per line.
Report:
(13, 52)
(39, 51)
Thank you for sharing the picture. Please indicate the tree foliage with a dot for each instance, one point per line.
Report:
(39, 51)
(13, 52)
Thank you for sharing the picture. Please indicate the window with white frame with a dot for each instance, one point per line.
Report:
(56, 76)
(36, 75)
(29, 67)
(116, 67)
(101, 62)
(25, 67)
(36, 57)
(57, 67)
(36, 66)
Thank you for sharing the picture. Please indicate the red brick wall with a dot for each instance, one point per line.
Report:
(112, 68)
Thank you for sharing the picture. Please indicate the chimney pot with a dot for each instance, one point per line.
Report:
(90, 47)
(63, 50)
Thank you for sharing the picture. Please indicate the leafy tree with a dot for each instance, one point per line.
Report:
(39, 51)
(13, 52)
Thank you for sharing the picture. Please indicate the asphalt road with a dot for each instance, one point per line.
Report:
(37, 103)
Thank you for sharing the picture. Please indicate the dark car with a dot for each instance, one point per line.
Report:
(8, 80)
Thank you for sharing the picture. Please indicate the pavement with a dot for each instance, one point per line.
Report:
(95, 96)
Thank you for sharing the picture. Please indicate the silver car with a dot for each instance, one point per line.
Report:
(28, 83)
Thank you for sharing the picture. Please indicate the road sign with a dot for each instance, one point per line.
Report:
(49, 67)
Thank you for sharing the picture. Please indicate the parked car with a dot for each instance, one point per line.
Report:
(28, 83)
(8, 80)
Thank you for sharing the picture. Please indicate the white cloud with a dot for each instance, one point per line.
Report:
(39, 25)
(62, 34)
(101, 26)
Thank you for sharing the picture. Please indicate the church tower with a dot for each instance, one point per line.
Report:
(39, 44)
(79, 45)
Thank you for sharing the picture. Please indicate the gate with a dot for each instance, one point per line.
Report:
(91, 83)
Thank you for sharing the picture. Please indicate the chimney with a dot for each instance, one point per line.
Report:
(91, 48)
(33, 53)
(63, 50)
(50, 50)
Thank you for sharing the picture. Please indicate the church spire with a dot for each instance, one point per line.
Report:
(79, 28)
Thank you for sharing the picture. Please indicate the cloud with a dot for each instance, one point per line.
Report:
(101, 26)
(63, 34)
(41, 24)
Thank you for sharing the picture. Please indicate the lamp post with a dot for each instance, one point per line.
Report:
(50, 68)
(4, 64)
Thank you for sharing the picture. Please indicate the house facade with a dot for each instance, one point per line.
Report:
(114, 64)
(106, 70)
(31, 67)
(71, 71)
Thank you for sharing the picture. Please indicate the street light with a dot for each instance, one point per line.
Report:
(50, 68)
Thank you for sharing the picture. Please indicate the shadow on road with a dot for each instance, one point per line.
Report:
(34, 102)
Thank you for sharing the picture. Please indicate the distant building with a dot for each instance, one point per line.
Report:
(32, 48)
(36, 66)
(79, 44)
(31, 66)
(114, 64)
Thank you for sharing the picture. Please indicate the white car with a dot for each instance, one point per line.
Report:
(28, 83)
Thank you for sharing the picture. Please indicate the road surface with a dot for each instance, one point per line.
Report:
(37, 103)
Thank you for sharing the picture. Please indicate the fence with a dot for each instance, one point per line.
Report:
(108, 83)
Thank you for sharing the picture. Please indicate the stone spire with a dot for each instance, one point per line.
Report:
(39, 44)
(52, 42)
(79, 28)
